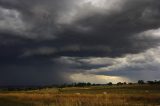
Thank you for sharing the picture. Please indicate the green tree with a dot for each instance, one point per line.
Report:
(141, 82)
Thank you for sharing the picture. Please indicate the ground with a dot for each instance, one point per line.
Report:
(124, 95)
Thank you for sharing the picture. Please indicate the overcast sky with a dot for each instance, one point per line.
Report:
(56, 41)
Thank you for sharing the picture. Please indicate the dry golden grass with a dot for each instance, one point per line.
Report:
(82, 99)
(85, 98)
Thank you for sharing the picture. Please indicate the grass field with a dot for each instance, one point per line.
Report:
(126, 95)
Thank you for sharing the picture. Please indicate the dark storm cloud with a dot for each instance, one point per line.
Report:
(38, 16)
(38, 31)
(113, 33)
(32, 73)
(117, 30)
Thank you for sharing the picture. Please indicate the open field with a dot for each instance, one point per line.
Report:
(126, 95)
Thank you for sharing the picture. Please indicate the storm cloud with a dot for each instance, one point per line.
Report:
(55, 41)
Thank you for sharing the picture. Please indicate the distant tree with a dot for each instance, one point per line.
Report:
(153, 82)
(119, 83)
(124, 83)
(150, 82)
(130, 83)
(81, 84)
(157, 82)
(93, 84)
(110, 84)
(89, 84)
(141, 82)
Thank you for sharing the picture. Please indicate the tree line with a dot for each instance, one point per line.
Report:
(79, 84)
(83, 84)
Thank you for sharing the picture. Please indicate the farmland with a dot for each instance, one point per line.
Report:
(123, 95)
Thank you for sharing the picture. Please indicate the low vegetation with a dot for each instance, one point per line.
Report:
(121, 94)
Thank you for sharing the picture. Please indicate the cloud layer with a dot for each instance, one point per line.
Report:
(52, 41)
